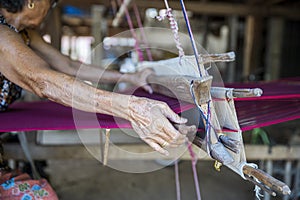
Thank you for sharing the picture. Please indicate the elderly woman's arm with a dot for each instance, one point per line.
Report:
(84, 71)
(150, 119)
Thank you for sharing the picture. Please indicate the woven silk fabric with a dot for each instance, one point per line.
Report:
(46, 115)
(9, 92)
(251, 114)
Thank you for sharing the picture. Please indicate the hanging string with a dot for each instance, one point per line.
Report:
(144, 38)
(205, 116)
(174, 28)
(191, 36)
(130, 24)
(178, 195)
(195, 175)
(207, 130)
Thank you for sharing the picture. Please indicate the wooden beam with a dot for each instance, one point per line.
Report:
(121, 12)
(84, 4)
(214, 8)
(97, 33)
(233, 22)
(179, 87)
(274, 49)
(209, 8)
(54, 28)
(253, 152)
(252, 45)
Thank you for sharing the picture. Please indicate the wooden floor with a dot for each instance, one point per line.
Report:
(87, 179)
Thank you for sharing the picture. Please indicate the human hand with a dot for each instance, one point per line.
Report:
(140, 79)
(152, 120)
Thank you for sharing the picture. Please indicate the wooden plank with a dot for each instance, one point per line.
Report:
(253, 152)
(179, 87)
(54, 28)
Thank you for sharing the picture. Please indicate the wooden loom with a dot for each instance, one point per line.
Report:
(226, 146)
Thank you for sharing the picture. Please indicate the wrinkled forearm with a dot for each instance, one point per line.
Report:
(98, 74)
(67, 90)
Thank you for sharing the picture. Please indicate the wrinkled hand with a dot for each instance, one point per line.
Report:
(152, 119)
(140, 79)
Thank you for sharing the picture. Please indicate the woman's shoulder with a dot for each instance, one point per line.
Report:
(7, 35)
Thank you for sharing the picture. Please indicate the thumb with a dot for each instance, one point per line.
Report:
(148, 89)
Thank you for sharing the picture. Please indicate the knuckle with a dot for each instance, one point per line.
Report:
(164, 105)
(175, 137)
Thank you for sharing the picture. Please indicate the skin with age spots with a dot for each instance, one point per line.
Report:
(41, 69)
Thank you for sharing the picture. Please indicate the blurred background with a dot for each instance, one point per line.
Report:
(264, 34)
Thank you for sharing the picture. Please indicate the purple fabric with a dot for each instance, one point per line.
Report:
(280, 103)
(255, 114)
(252, 113)
(46, 115)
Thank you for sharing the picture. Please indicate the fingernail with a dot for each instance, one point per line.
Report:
(167, 153)
(193, 128)
(184, 120)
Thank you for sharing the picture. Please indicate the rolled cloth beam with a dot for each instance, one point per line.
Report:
(46, 115)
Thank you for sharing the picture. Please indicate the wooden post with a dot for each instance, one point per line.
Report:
(179, 87)
(55, 28)
(97, 33)
(252, 45)
(232, 43)
(274, 48)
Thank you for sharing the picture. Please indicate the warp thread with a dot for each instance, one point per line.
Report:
(130, 24)
(144, 38)
(194, 162)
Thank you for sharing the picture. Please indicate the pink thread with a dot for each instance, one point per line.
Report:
(194, 162)
(144, 38)
(274, 97)
(130, 24)
(177, 180)
(258, 125)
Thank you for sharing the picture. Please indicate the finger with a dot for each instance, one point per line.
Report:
(184, 129)
(148, 89)
(162, 142)
(172, 116)
(156, 147)
(148, 71)
(171, 131)
(162, 135)
(180, 142)
(182, 139)
(175, 145)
